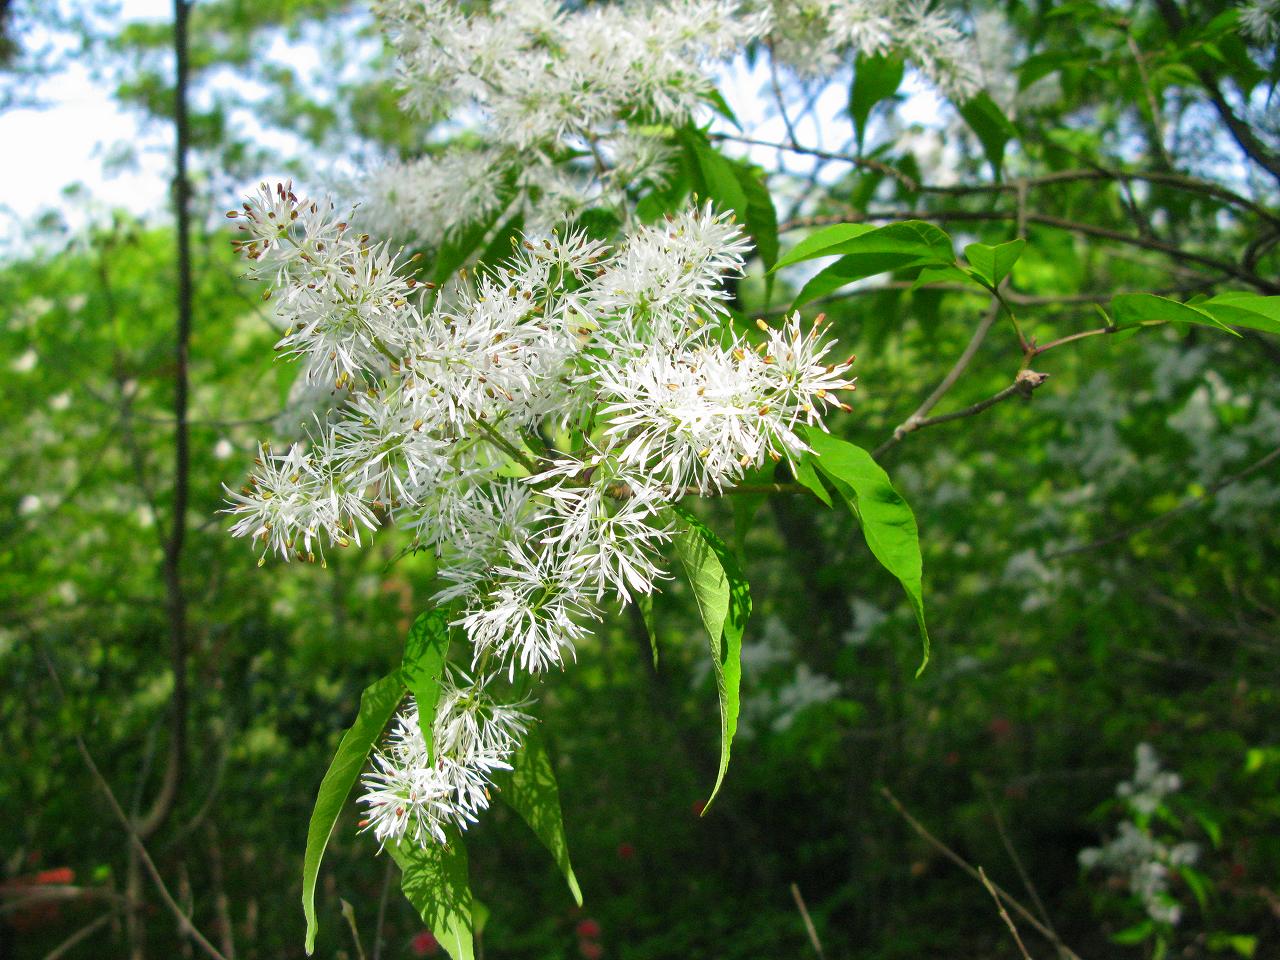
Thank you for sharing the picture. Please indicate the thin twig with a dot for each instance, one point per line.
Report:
(1017, 860)
(954, 374)
(996, 890)
(84, 933)
(185, 925)
(1004, 914)
(808, 922)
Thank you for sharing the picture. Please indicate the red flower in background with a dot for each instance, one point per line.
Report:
(588, 928)
(424, 944)
(590, 949)
(626, 851)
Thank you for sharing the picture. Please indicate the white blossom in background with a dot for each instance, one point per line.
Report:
(816, 36)
(1260, 21)
(531, 425)
(568, 102)
(1136, 854)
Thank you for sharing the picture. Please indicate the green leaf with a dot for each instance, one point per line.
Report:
(644, 603)
(434, 879)
(888, 525)
(425, 650)
(530, 790)
(993, 264)
(1244, 310)
(724, 602)
(947, 274)
(721, 106)
(910, 237)
(991, 126)
(1135, 934)
(875, 78)
(1141, 309)
(1199, 885)
(738, 187)
(816, 243)
(808, 478)
(1243, 944)
(377, 705)
(460, 246)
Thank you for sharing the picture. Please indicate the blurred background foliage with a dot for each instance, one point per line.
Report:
(1098, 573)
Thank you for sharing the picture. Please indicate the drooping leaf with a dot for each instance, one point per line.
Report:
(434, 879)
(992, 128)
(888, 525)
(377, 705)
(530, 789)
(425, 650)
(724, 602)
(875, 78)
(993, 264)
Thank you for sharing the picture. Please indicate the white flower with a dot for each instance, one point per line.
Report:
(472, 735)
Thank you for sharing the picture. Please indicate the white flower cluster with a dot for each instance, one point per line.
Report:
(815, 36)
(570, 101)
(472, 736)
(1135, 853)
(532, 425)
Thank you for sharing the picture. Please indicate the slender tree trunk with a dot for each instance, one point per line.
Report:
(175, 597)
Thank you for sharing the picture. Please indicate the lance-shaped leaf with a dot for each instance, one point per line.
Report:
(888, 525)
(992, 127)
(724, 601)
(425, 650)
(909, 240)
(1141, 309)
(530, 789)
(434, 879)
(377, 705)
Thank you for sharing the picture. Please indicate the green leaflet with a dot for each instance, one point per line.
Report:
(876, 77)
(1243, 310)
(530, 790)
(724, 601)
(434, 879)
(911, 239)
(1139, 309)
(993, 264)
(888, 525)
(991, 126)
(425, 650)
(377, 705)
(738, 187)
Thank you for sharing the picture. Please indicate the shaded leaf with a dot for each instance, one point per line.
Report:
(992, 128)
(888, 525)
(377, 705)
(1139, 309)
(425, 650)
(875, 78)
(724, 602)
(434, 879)
(530, 789)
